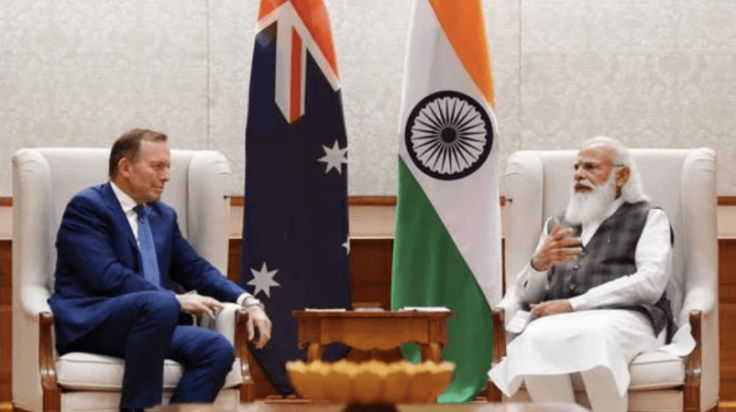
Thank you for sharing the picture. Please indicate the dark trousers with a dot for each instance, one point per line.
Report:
(143, 330)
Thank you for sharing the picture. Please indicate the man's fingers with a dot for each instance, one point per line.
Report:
(537, 310)
(570, 241)
(202, 308)
(264, 329)
(555, 226)
(214, 305)
(249, 327)
(257, 319)
(262, 340)
(572, 253)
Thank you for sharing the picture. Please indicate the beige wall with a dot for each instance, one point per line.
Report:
(649, 72)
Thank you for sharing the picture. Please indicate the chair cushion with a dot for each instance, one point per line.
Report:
(87, 371)
(656, 370)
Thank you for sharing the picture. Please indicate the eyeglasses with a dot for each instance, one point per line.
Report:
(591, 167)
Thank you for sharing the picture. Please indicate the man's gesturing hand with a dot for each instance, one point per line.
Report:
(257, 319)
(559, 246)
(551, 307)
(199, 305)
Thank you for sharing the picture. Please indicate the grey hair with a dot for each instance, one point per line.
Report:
(633, 190)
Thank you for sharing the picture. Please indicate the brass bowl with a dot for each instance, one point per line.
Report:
(371, 382)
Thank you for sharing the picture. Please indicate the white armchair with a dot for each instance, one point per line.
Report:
(682, 183)
(44, 180)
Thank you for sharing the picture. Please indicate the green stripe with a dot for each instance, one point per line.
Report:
(428, 270)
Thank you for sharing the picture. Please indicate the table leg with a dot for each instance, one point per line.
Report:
(314, 352)
(432, 352)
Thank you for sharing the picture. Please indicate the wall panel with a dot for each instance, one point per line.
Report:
(654, 73)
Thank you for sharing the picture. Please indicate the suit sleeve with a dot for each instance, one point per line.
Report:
(85, 240)
(195, 273)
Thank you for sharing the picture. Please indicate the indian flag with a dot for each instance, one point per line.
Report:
(447, 250)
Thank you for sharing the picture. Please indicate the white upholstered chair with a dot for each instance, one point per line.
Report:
(44, 180)
(682, 183)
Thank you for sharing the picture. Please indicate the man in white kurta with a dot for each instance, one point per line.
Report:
(603, 320)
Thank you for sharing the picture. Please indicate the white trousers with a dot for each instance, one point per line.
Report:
(599, 344)
(599, 386)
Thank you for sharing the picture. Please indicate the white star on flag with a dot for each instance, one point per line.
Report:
(346, 245)
(334, 157)
(263, 280)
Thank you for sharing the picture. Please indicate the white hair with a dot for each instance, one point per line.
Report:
(633, 190)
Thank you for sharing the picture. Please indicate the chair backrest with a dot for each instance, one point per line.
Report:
(680, 181)
(45, 179)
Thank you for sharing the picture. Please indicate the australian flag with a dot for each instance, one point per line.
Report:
(295, 229)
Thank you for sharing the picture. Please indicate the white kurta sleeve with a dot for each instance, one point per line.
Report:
(653, 263)
(531, 284)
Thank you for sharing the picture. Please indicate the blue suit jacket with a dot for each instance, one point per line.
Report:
(98, 259)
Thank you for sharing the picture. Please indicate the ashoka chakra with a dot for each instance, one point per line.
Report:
(449, 135)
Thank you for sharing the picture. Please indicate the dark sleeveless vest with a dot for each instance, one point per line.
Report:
(610, 254)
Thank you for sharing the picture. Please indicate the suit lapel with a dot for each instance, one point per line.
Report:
(118, 215)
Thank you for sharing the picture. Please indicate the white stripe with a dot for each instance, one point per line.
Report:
(468, 207)
(288, 18)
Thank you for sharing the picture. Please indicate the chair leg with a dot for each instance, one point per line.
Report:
(51, 390)
(247, 363)
(493, 394)
(693, 366)
(248, 391)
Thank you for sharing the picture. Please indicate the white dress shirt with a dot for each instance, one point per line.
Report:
(127, 203)
(653, 260)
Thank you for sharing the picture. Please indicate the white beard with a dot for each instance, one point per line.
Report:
(586, 207)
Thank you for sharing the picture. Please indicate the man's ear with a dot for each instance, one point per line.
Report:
(622, 177)
(123, 166)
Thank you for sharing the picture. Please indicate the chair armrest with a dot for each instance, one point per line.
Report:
(225, 322)
(510, 304)
(34, 299)
(701, 299)
(232, 323)
(51, 391)
(694, 365)
(247, 363)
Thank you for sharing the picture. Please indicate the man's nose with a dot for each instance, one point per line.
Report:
(579, 174)
(166, 174)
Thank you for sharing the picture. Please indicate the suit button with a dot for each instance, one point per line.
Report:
(572, 286)
(576, 267)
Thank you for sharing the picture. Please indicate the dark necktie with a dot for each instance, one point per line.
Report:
(147, 248)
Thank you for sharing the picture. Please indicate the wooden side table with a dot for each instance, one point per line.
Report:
(370, 330)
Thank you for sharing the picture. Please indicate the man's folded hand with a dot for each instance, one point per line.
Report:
(551, 307)
(199, 305)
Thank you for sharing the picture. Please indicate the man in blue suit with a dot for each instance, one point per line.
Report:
(118, 246)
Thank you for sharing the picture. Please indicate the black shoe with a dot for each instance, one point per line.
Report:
(131, 409)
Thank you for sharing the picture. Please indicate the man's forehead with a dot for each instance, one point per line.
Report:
(151, 149)
(596, 152)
